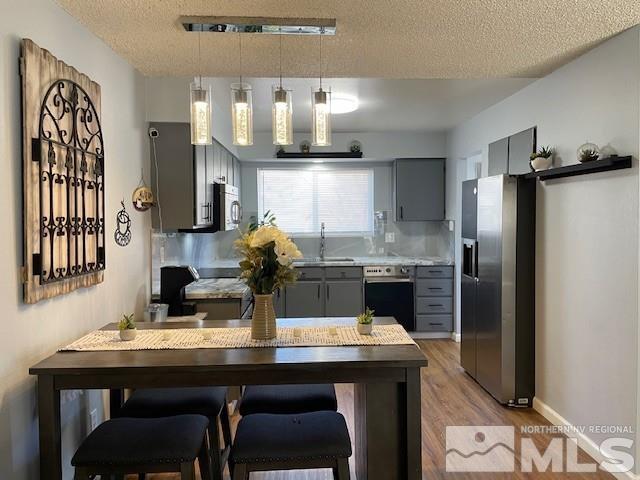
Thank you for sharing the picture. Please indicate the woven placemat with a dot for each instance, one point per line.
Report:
(189, 338)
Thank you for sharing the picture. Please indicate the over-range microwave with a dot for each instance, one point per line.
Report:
(227, 211)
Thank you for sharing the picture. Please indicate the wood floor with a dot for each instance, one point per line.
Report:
(449, 397)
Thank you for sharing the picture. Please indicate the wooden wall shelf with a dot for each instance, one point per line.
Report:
(319, 155)
(602, 165)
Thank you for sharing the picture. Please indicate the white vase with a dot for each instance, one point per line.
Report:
(263, 320)
(128, 334)
(364, 328)
(541, 163)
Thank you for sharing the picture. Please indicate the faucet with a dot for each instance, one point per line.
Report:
(322, 241)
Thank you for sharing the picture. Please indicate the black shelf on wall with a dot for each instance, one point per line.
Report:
(603, 165)
(319, 155)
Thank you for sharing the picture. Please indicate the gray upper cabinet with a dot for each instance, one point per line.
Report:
(511, 154)
(177, 168)
(186, 175)
(305, 299)
(521, 146)
(499, 157)
(419, 189)
(343, 298)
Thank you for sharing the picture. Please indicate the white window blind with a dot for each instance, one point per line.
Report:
(301, 199)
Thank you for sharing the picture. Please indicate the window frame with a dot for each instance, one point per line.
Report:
(304, 167)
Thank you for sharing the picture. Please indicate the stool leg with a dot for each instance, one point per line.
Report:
(226, 425)
(187, 471)
(214, 448)
(204, 461)
(240, 472)
(341, 470)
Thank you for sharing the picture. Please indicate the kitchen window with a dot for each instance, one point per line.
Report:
(303, 198)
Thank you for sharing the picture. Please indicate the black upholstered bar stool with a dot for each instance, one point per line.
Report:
(208, 401)
(145, 445)
(285, 399)
(266, 442)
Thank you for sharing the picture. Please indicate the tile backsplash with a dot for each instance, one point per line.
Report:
(411, 239)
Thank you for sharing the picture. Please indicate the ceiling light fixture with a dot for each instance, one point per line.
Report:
(321, 112)
(200, 99)
(281, 111)
(343, 104)
(241, 108)
(268, 25)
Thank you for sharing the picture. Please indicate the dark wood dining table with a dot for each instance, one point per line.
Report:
(386, 386)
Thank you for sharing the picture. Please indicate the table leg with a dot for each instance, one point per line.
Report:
(49, 428)
(388, 429)
(116, 399)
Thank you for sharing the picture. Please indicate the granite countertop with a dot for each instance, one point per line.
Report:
(216, 288)
(357, 262)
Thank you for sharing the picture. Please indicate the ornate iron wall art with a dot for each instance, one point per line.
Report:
(122, 234)
(70, 153)
(63, 177)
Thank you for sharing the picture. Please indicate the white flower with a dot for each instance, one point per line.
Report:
(266, 234)
(286, 251)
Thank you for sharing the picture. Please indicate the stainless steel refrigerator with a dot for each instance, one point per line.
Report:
(498, 286)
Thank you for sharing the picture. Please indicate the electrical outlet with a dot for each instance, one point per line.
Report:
(390, 237)
(93, 419)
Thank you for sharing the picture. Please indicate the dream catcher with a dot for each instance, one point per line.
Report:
(142, 196)
(122, 234)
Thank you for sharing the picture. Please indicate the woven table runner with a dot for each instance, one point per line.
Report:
(189, 338)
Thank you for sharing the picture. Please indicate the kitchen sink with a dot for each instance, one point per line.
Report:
(325, 259)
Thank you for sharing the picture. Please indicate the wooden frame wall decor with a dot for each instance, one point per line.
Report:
(63, 177)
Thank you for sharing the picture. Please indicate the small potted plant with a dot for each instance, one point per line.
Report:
(542, 159)
(127, 327)
(365, 322)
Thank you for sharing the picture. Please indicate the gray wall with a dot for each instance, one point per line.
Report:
(29, 333)
(587, 231)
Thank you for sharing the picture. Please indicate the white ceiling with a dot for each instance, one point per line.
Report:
(375, 38)
(385, 104)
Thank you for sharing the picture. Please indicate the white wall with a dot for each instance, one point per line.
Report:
(29, 333)
(587, 230)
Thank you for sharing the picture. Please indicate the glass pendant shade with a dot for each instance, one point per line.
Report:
(282, 116)
(242, 114)
(200, 114)
(321, 117)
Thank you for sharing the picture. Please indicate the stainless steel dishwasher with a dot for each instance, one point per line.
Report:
(389, 291)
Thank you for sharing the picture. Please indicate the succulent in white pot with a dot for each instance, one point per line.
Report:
(542, 159)
(127, 327)
(365, 322)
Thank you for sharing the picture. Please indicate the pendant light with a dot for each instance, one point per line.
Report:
(200, 98)
(241, 108)
(281, 111)
(321, 111)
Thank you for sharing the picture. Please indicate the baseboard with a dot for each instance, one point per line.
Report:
(455, 337)
(429, 335)
(584, 442)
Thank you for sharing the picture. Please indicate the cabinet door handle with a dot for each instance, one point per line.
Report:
(318, 290)
(436, 305)
(435, 288)
(327, 292)
(435, 323)
(206, 210)
(401, 212)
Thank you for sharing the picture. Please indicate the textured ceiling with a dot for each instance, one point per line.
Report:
(376, 38)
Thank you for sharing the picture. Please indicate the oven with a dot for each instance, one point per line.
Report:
(389, 292)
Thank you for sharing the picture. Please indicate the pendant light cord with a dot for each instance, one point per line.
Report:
(199, 56)
(280, 38)
(321, 33)
(240, 56)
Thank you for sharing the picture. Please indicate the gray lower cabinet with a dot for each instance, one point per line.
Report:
(343, 298)
(419, 189)
(434, 299)
(305, 299)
